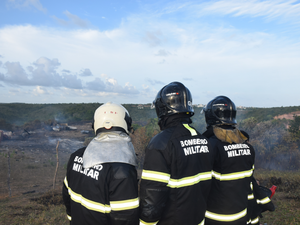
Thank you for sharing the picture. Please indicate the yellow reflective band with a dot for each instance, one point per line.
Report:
(155, 176)
(232, 176)
(145, 223)
(251, 196)
(91, 205)
(66, 182)
(251, 186)
(69, 217)
(263, 201)
(193, 131)
(188, 181)
(202, 223)
(124, 205)
(224, 217)
(255, 221)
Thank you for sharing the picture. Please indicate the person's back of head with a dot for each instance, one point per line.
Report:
(220, 116)
(173, 99)
(111, 117)
(220, 111)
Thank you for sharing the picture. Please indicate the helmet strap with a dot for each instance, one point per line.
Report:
(102, 129)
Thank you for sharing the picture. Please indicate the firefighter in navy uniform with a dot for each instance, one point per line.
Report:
(101, 185)
(259, 198)
(177, 168)
(233, 165)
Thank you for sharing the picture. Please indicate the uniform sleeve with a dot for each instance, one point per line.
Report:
(154, 191)
(66, 196)
(123, 195)
(262, 196)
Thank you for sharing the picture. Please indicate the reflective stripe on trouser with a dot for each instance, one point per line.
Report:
(253, 221)
(202, 223)
(225, 217)
(154, 223)
(149, 223)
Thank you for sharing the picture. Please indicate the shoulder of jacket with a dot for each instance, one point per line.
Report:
(78, 152)
(122, 170)
(161, 140)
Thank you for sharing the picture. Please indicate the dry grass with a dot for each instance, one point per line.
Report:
(31, 185)
(29, 171)
(32, 202)
(287, 211)
(286, 198)
(33, 209)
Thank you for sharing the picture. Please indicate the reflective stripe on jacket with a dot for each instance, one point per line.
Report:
(103, 194)
(176, 177)
(232, 170)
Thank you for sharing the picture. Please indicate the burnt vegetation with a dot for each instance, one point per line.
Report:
(28, 143)
(276, 141)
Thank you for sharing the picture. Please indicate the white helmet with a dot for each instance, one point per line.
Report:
(112, 116)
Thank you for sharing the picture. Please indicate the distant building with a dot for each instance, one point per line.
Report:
(143, 106)
(199, 106)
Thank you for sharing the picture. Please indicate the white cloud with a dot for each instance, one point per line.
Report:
(193, 51)
(96, 85)
(85, 72)
(111, 85)
(155, 82)
(270, 8)
(40, 91)
(42, 73)
(154, 38)
(27, 4)
(162, 52)
(74, 20)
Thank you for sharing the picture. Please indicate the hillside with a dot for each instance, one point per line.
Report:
(264, 114)
(20, 113)
(288, 116)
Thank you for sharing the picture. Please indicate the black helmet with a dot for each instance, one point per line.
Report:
(220, 110)
(172, 99)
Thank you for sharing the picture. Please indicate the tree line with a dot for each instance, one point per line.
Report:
(276, 141)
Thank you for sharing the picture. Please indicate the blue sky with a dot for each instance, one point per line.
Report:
(126, 51)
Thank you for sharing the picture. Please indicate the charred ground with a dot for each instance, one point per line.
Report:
(31, 161)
